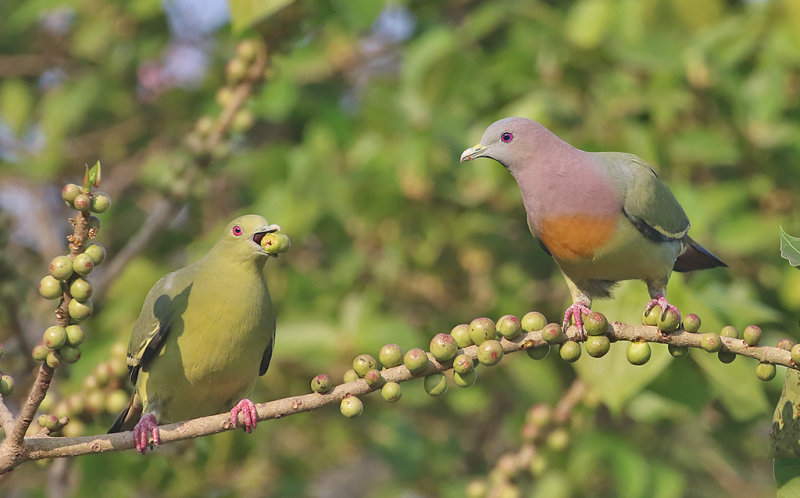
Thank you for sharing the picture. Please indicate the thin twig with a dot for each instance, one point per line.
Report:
(47, 447)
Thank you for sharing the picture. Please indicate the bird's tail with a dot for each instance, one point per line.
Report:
(127, 419)
(696, 257)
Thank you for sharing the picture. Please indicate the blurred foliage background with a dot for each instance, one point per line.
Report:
(354, 152)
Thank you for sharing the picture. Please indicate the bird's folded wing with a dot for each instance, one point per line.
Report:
(648, 203)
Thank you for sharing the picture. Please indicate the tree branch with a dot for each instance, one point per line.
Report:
(53, 447)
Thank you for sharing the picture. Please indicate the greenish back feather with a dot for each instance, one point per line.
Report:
(647, 202)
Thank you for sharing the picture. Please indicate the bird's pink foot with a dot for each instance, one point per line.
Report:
(661, 300)
(146, 426)
(249, 414)
(575, 312)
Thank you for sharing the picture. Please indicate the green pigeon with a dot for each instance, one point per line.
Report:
(205, 333)
(602, 216)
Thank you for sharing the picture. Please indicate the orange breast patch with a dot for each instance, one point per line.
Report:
(576, 236)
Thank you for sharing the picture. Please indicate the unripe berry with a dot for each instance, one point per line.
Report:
(80, 289)
(463, 364)
(390, 355)
(786, 344)
(53, 360)
(558, 440)
(40, 352)
(275, 243)
(391, 392)
(752, 335)
(350, 376)
(82, 202)
(246, 50)
(477, 488)
(100, 202)
(711, 342)
(95, 401)
(482, 329)
(461, 334)
(204, 125)
(69, 192)
(595, 324)
(70, 354)
(416, 360)
(117, 401)
(243, 120)
(509, 327)
(75, 335)
(691, 323)
(374, 378)
(638, 353)
(597, 346)
(552, 333)
(651, 317)
(490, 352)
(670, 322)
(539, 415)
(796, 354)
(538, 353)
(465, 379)
(79, 311)
(435, 384)
(729, 331)
(54, 337)
(539, 465)
(321, 384)
(726, 356)
(235, 71)
(103, 372)
(223, 96)
(6, 385)
(765, 371)
(351, 407)
(82, 264)
(73, 429)
(51, 422)
(533, 320)
(93, 224)
(443, 347)
(42, 420)
(363, 363)
(570, 351)
(678, 351)
(96, 251)
(61, 267)
(50, 287)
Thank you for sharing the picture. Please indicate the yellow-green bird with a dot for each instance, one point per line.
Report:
(205, 333)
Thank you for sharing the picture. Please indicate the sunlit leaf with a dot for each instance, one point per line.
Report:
(790, 248)
(245, 13)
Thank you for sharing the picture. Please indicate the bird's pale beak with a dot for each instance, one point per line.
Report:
(473, 152)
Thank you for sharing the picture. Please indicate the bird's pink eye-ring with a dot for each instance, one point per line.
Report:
(506, 137)
(237, 230)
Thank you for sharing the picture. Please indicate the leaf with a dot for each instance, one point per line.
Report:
(787, 476)
(245, 13)
(790, 248)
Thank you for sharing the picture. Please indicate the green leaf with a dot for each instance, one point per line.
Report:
(790, 248)
(245, 13)
(787, 476)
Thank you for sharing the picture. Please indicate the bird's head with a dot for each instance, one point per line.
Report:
(242, 237)
(508, 141)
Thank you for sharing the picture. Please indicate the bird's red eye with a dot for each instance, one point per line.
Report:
(506, 137)
(237, 230)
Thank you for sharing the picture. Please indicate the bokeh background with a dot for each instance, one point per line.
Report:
(353, 150)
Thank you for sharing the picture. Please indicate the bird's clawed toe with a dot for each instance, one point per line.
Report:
(249, 414)
(146, 427)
